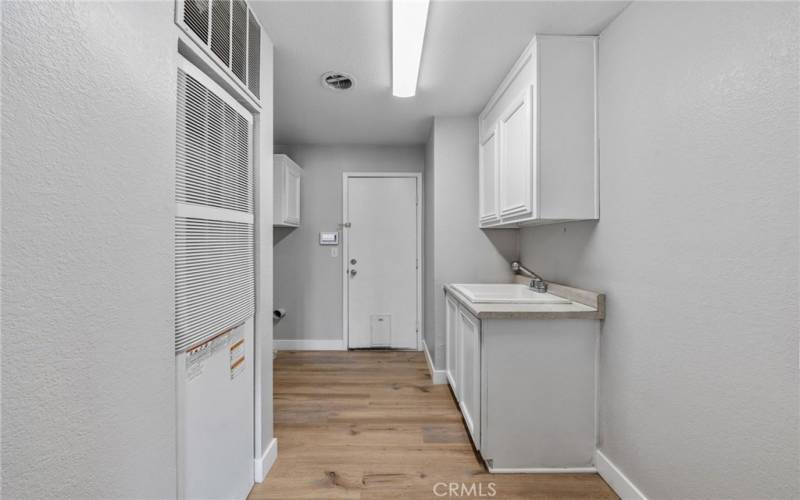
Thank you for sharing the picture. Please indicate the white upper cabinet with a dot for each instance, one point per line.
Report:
(516, 196)
(287, 181)
(538, 137)
(488, 178)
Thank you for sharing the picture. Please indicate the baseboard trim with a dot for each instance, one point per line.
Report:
(618, 481)
(264, 464)
(308, 345)
(543, 470)
(437, 376)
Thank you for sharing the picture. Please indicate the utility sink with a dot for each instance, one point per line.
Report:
(507, 293)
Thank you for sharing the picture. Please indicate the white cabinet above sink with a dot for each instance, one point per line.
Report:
(538, 137)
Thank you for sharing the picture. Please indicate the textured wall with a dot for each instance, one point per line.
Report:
(463, 253)
(88, 145)
(308, 281)
(696, 247)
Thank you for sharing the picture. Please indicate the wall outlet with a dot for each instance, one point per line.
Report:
(335, 252)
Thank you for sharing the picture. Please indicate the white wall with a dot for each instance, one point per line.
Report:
(88, 147)
(264, 257)
(429, 247)
(697, 248)
(463, 253)
(308, 281)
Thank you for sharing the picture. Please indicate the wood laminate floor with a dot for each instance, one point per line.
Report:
(370, 425)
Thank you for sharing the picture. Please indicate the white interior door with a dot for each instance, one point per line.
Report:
(381, 262)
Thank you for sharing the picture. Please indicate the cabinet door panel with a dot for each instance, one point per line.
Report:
(451, 349)
(292, 178)
(516, 154)
(470, 371)
(488, 178)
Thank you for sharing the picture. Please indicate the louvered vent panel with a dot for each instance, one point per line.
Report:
(195, 15)
(213, 163)
(239, 40)
(253, 55)
(221, 29)
(214, 284)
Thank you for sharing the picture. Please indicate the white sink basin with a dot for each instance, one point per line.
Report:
(506, 294)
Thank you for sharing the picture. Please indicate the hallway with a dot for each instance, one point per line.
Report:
(370, 425)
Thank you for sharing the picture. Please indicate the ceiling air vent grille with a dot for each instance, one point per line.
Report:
(337, 81)
(229, 32)
(214, 265)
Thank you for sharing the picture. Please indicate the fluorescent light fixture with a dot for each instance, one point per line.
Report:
(409, 18)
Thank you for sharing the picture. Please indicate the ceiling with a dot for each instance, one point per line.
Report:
(469, 47)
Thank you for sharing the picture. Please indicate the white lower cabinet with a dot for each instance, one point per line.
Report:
(469, 360)
(451, 322)
(526, 388)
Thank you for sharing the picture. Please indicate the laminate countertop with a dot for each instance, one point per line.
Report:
(584, 305)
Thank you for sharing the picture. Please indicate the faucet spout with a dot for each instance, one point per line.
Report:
(537, 283)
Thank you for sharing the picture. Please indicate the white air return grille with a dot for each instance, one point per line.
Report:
(214, 280)
(214, 261)
(195, 15)
(220, 29)
(253, 55)
(229, 32)
(239, 40)
(213, 164)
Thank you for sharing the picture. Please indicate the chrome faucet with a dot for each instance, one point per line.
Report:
(537, 283)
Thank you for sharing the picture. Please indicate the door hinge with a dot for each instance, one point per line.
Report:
(417, 263)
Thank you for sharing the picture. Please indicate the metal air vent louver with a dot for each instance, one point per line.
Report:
(336, 80)
(212, 154)
(228, 31)
(239, 40)
(220, 29)
(195, 15)
(214, 267)
(253, 55)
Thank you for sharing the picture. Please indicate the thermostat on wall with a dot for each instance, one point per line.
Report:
(329, 238)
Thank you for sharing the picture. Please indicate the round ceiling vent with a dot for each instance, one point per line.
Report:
(336, 80)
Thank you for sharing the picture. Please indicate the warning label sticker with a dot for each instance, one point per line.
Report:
(237, 358)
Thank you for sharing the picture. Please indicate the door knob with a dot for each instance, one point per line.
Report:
(353, 272)
(353, 261)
